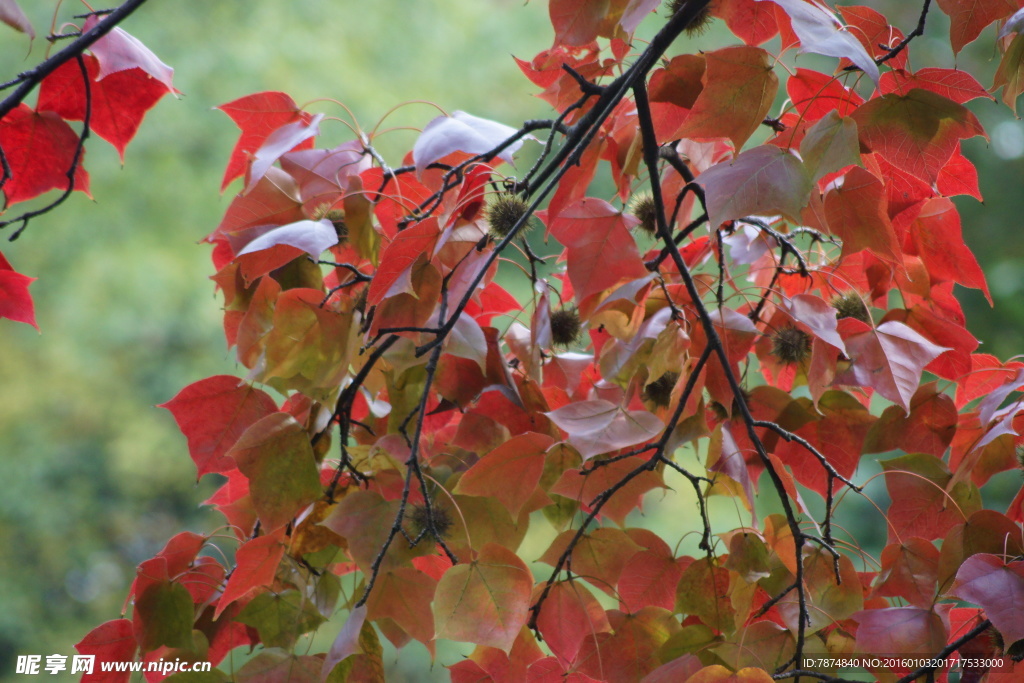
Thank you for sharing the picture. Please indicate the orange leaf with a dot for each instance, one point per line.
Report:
(485, 601)
(739, 89)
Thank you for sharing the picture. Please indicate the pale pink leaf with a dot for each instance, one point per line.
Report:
(119, 50)
(821, 33)
(889, 359)
(279, 143)
(346, 643)
(12, 15)
(762, 180)
(599, 426)
(461, 132)
(997, 587)
(312, 237)
(815, 316)
(635, 11)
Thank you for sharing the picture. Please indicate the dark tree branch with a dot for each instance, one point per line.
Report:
(918, 31)
(715, 343)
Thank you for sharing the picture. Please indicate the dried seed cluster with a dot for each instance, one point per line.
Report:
(419, 520)
(791, 345)
(504, 213)
(643, 207)
(850, 305)
(701, 20)
(565, 326)
(659, 392)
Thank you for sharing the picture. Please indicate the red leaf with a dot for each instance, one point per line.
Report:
(959, 176)
(15, 301)
(631, 651)
(920, 504)
(39, 149)
(569, 614)
(599, 557)
(936, 237)
(874, 33)
(256, 564)
(969, 19)
(398, 258)
(404, 595)
(649, 579)
(119, 101)
(899, 631)
(112, 641)
(929, 428)
(910, 571)
(364, 519)
(212, 413)
(952, 84)
(585, 488)
(600, 251)
(856, 213)
(510, 472)
(751, 21)
(997, 587)
(838, 435)
(551, 670)
(917, 132)
(119, 50)
(576, 22)
(258, 115)
(815, 94)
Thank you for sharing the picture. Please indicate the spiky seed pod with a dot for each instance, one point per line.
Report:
(504, 213)
(335, 216)
(791, 345)
(1019, 454)
(643, 207)
(659, 392)
(565, 326)
(700, 21)
(850, 305)
(419, 520)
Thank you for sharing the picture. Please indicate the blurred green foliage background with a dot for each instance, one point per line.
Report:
(95, 478)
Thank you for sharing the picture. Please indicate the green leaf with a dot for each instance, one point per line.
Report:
(830, 145)
(281, 618)
(164, 615)
(275, 455)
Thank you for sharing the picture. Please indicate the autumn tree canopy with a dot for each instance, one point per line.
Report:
(733, 274)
